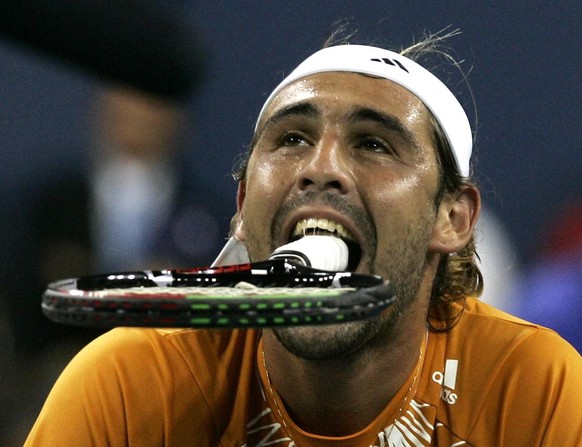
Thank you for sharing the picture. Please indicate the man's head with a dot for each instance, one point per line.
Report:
(355, 151)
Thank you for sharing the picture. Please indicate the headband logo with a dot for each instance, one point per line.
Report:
(392, 62)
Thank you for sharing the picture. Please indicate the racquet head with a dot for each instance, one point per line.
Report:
(263, 294)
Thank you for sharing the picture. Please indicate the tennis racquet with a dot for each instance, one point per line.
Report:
(270, 293)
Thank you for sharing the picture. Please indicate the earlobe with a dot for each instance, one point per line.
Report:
(456, 219)
(236, 230)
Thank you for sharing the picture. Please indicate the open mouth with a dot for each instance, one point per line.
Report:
(326, 227)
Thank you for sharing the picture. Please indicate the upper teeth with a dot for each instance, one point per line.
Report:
(312, 225)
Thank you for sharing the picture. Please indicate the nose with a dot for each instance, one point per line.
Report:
(325, 168)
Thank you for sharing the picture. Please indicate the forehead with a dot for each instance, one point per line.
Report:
(336, 93)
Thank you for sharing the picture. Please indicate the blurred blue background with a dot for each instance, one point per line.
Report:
(525, 70)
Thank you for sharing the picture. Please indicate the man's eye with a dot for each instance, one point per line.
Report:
(374, 145)
(292, 139)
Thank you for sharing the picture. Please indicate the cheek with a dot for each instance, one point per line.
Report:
(267, 179)
(396, 205)
(389, 195)
(403, 189)
(266, 185)
(266, 188)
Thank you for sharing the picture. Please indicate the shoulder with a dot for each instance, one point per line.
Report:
(182, 357)
(512, 341)
(156, 346)
(138, 374)
(504, 329)
(136, 386)
(525, 364)
(511, 361)
(512, 374)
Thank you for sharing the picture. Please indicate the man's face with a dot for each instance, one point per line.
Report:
(351, 154)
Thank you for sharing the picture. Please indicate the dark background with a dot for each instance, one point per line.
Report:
(524, 60)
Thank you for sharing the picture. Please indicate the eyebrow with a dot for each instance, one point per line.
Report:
(359, 114)
(387, 121)
(301, 109)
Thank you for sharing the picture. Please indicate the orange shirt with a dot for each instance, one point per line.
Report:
(493, 380)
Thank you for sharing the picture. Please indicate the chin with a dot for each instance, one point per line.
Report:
(329, 342)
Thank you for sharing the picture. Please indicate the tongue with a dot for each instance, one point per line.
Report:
(320, 252)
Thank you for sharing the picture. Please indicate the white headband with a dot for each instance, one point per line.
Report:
(392, 66)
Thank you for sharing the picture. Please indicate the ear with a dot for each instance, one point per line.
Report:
(456, 219)
(236, 229)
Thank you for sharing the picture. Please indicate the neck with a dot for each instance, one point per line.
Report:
(343, 395)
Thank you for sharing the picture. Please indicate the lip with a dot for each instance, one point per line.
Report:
(322, 212)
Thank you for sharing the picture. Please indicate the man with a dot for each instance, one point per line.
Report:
(364, 144)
